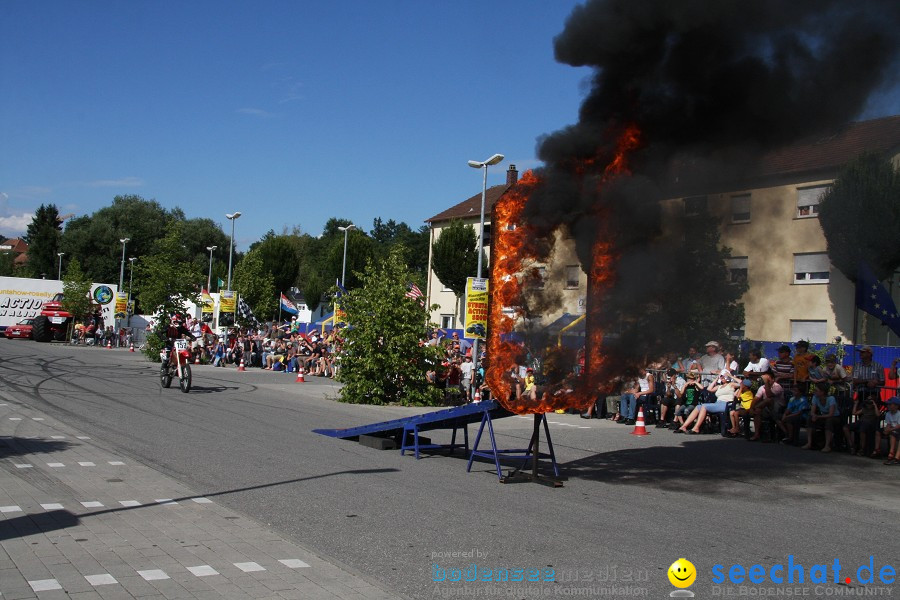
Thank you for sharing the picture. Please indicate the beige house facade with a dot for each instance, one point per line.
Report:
(769, 220)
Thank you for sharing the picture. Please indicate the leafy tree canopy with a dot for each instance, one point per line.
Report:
(76, 291)
(455, 256)
(43, 236)
(383, 360)
(860, 216)
(256, 285)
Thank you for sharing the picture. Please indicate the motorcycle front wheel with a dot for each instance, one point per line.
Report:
(165, 377)
(184, 382)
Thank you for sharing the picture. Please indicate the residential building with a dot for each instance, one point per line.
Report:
(768, 216)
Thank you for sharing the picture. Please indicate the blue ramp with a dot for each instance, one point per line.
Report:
(449, 418)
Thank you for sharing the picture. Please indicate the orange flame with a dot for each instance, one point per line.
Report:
(511, 252)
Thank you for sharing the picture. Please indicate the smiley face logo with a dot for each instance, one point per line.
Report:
(682, 573)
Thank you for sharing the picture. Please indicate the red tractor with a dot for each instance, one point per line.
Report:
(53, 322)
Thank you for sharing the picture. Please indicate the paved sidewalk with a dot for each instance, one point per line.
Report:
(77, 521)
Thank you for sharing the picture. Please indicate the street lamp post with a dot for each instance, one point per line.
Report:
(209, 279)
(122, 268)
(344, 267)
(231, 217)
(131, 260)
(493, 160)
(60, 255)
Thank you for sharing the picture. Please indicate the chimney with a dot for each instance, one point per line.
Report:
(512, 176)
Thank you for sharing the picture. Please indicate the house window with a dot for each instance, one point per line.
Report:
(737, 269)
(447, 321)
(811, 331)
(487, 234)
(811, 268)
(694, 206)
(573, 274)
(740, 208)
(808, 201)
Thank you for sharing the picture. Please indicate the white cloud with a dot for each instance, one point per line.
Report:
(256, 112)
(15, 225)
(121, 182)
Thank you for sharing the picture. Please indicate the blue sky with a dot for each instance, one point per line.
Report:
(290, 112)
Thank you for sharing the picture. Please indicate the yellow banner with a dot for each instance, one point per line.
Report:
(227, 302)
(207, 304)
(476, 308)
(121, 304)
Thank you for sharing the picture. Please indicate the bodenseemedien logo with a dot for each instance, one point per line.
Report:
(682, 574)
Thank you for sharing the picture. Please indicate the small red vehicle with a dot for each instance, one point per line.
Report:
(176, 363)
(22, 329)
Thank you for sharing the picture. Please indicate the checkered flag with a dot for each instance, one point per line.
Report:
(245, 312)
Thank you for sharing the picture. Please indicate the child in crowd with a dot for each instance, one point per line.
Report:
(745, 397)
(824, 415)
(795, 415)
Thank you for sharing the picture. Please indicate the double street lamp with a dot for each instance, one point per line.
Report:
(493, 160)
(231, 217)
(344, 267)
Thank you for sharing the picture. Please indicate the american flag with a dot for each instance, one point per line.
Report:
(414, 292)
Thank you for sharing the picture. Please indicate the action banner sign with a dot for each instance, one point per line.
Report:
(207, 304)
(476, 308)
(227, 301)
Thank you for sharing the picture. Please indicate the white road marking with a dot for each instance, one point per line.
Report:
(57, 437)
(37, 418)
(56, 465)
(129, 503)
(87, 464)
(83, 437)
(103, 579)
(44, 585)
(165, 501)
(15, 418)
(9, 509)
(293, 563)
(153, 574)
(202, 500)
(92, 504)
(249, 567)
(116, 463)
(23, 466)
(52, 506)
(203, 571)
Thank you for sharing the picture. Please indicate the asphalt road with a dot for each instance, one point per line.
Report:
(630, 505)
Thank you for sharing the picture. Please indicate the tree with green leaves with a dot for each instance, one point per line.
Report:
(279, 258)
(256, 285)
(860, 216)
(167, 282)
(42, 236)
(454, 257)
(382, 360)
(76, 291)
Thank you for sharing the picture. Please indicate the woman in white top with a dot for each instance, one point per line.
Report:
(724, 388)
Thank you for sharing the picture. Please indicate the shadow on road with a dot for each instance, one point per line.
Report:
(17, 446)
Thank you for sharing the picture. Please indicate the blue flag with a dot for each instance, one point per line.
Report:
(872, 297)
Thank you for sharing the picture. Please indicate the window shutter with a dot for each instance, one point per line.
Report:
(811, 263)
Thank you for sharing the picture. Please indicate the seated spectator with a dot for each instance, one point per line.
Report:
(688, 399)
(795, 415)
(641, 394)
(891, 430)
(724, 389)
(824, 414)
(674, 386)
(746, 398)
(868, 375)
(769, 403)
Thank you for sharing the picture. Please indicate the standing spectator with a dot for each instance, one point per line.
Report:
(783, 368)
(802, 361)
(839, 380)
(868, 375)
(824, 415)
(711, 364)
(758, 364)
(684, 364)
(468, 370)
(463, 344)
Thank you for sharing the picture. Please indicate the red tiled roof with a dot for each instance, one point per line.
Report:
(18, 245)
(471, 207)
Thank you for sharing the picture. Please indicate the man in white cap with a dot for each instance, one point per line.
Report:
(711, 364)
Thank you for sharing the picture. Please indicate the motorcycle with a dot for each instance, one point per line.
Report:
(176, 364)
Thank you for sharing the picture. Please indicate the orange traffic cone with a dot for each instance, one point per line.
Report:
(241, 368)
(477, 396)
(300, 376)
(109, 344)
(197, 360)
(639, 428)
(131, 347)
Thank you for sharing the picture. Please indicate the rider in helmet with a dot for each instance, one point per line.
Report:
(175, 330)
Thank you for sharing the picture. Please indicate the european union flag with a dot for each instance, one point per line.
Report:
(872, 297)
